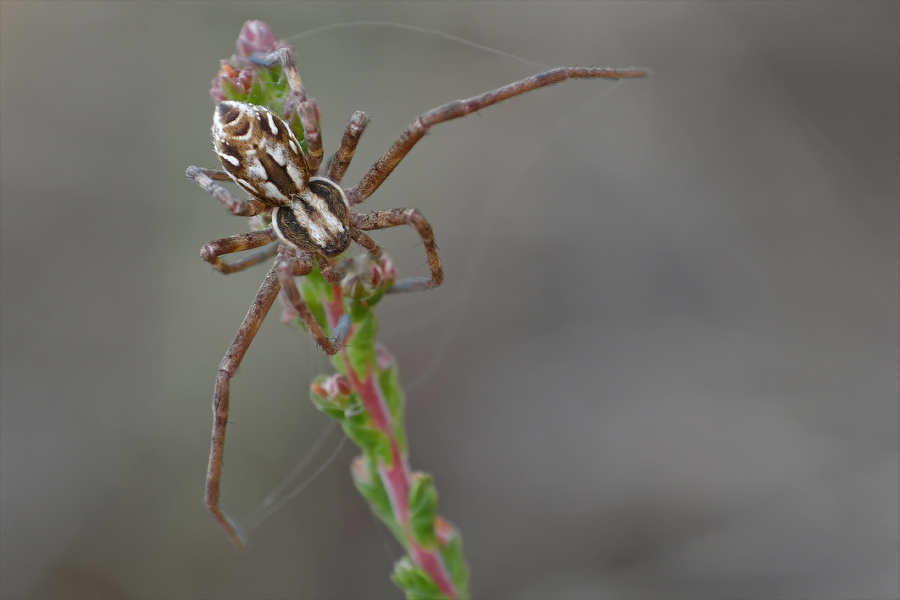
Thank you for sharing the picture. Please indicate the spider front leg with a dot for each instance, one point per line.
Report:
(211, 251)
(287, 267)
(366, 242)
(217, 174)
(205, 179)
(460, 108)
(227, 368)
(383, 219)
(306, 109)
(345, 151)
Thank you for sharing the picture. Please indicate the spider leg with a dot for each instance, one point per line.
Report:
(205, 179)
(216, 174)
(306, 109)
(383, 219)
(254, 258)
(211, 251)
(288, 267)
(344, 154)
(366, 242)
(330, 272)
(460, 108)
(227, 368)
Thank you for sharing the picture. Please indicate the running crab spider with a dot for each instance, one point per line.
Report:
(311, 217)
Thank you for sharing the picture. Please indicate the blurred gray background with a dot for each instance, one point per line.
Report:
(664, 362)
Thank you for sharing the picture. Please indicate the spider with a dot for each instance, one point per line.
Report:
(311, 216)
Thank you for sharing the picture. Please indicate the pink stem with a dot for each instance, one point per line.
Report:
(396, 477)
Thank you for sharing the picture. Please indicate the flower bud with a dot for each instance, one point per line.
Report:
(235, 77)
(444, 531)
(256, 36)
(384, 358)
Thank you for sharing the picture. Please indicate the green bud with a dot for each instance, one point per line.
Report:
(423, 509)
(417, 584)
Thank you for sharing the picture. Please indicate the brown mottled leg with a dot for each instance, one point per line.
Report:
(330, 272)
(205, 179)
(344, 154)
(288, 267)
(254, 258)
(227, 368)
(306, 108)
(217, 174)
(383, 219)
(211, 251)
(366, 242)
(460, 108)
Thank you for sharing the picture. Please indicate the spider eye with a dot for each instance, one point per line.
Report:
(260, 152)
(317, 220)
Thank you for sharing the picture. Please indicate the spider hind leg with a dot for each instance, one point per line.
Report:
(300, 264)
(392, 217)
(227, 368)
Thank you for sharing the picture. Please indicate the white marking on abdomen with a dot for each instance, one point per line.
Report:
(233, 160)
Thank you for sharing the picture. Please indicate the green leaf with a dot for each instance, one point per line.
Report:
(256, 94)
(313, 288)
(297, 127)
(370, 441)
(361, 348)
(367, 303)
(415, 582)
(329, 407)
(232, 91)
(423, 510)
(368, 482)
(270, 76)
(389, 380)
(456, 564)
(359, 311)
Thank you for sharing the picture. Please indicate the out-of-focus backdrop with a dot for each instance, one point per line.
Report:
(664, 362)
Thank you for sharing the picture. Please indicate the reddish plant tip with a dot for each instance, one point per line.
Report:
(388, 269)
(256, 36)
(228, 71)
(443, 530)
(216, 90)
(333, 387)
(385, 359)
(360, 471)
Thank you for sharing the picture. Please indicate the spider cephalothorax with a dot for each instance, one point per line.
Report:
(317, 220)
(312, 221)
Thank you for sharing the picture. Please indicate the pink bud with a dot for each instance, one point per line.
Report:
(335, 385)
(384, 358)
(242, 79)
(360, 471)
(256, 36)
(387, 268)
(443, 530)
(216, 90)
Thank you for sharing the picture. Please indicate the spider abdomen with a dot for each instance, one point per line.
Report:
(317, 220)
(260, 152)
